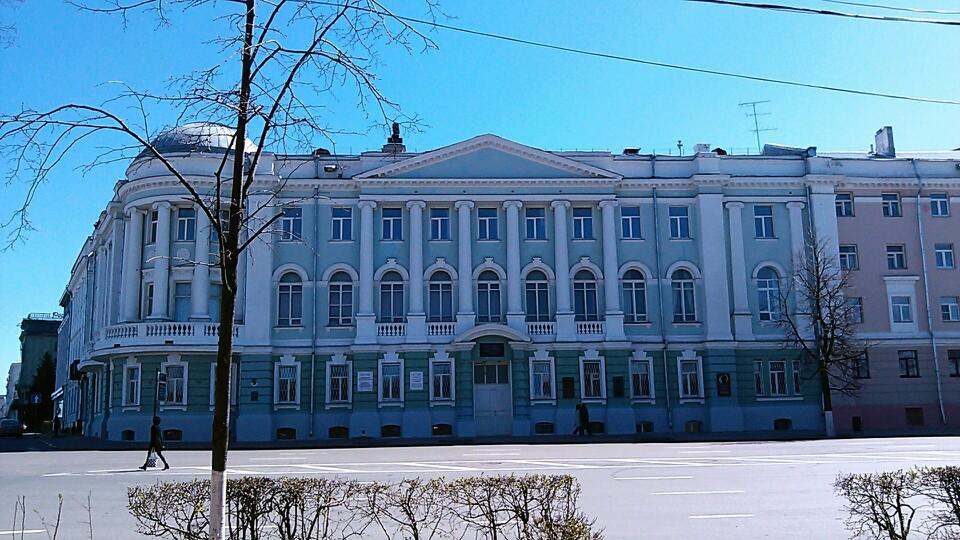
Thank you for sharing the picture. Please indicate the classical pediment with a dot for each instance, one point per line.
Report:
(487, 156)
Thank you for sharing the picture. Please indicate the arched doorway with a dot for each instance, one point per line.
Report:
(492, 377)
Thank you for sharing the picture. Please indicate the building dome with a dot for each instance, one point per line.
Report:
(197, 137)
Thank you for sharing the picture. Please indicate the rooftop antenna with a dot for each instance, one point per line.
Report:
(752, 105)
(680, 146)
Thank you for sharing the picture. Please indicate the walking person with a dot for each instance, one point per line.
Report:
(156, 444)
(584, 417)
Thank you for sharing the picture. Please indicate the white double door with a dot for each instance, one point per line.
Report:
(492, 398)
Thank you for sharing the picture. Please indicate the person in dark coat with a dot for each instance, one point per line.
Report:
(584, 417)
(156, 444)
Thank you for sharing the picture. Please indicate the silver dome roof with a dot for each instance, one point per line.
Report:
(197, 137)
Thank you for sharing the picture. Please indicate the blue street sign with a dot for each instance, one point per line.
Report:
(36, 398)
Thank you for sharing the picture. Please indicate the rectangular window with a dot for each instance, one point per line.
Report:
(758, 377)
(391, 302)
(909, 366)
(487, 224)
(634, 298)
(844, 203)
(536, 223)
(174, 393)
(861, 367)
(538, 300)
(582, 223)
(340, 310)
(213, 303)
(442, 380)
(679, 222)
(796, 376)
(439, 223)
(849, 259)
(181, 302)
(152, 227)
(392, 224)
(290, 304)
(640, 379)
(891, 205)
(391, 381)
(630, 222)
(949, 308)
(763, 221)
(901, 309)
(896, 257)
(953, 358)
(147, 300)
(944, 255)
(690, 379)
(592, 381)
(287, 383)
(186, 224)
(778, 378)
(234, 382)
(291, 224)
(939, 205)
(341, 223)
(131, 385)
(855, 309)
(339, 384)
(541, 379)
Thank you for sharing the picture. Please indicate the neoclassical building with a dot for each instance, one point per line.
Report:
(482, 289)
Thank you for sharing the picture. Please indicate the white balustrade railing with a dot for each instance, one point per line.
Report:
(202, 331)
(543, 328)
(441, 328)
(391, 329)
(122, 331)
(590, 327)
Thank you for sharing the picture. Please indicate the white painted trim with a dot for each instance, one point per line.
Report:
(489, 264)
(390, 358)
(585, 263)
(686, 356)
(441, 355)
(640, 355)
(687, 265)
(287, 360)
(391, 264)
(174, 360)
(781, 271)
(339, 359)
(537, 264)
(290, 267)
(131, 362)
(440, 264)
(541, 355)
(594, 355)
(339, 267)
(637, 265)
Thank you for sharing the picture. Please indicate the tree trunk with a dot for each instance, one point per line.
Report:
(829, 428)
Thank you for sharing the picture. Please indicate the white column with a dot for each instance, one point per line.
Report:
(161, 263)
(713, 260)
(466, 317)
(566, 329)
(131, 274)
(514, 303)
(611, 273)
(742, 317)
(416, 317)
(824, 215)
(259, 288)
(797, 246)
(366, 319)
(200, 286)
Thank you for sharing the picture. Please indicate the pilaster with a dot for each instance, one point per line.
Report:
(200, 285)
(466, 317)
(366, 318)
(611, 269)
(416, 317)
(742, 317)
(161, 265)
(713, 258)
(515, 317)
(566, 328)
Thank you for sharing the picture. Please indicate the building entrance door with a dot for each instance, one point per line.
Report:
(492, 398)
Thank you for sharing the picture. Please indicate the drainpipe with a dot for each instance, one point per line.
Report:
(316, 289)
(663, 334)
(926, 294)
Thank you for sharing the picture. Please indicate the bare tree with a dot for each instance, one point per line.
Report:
(881, 505)
(8, 30)
(277, 67)
(819, 320)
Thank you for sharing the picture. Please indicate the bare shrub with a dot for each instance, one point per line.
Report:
(942, 486)
(881, 505)
(315, 508)
(415, 509)
(175, 510)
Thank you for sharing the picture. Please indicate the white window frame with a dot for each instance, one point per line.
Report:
(855, 309)
(537, 315)
(943, 253)
(234, 382)
(97, 392)
(687, 314)
(488, 227)
(844, 207)
(641, 357)
(534, 220)
(901, 309)
(592, 355)
(541, 356)
(768, 291)
(940, 205)
(341, 227)
(128, 400)
(287, 287)
(901, 286)
(174, 360)
(147, 300)
(685, 357)
(763, 223)
(679, 222)
(896, 254)
(291, 225)
(439, 224)
(336, 291)
(393, 223)
(778, 378)
(153, 217)
(796, 378)
(952, 303)
(339, 360)
(758, 386)
(490, 289)
(582, 225)
(186, 225)
(630, 226)
(286, 361)
(442, 357)
(390, 358)
(890, 205)
(846, 258)
(632, 287)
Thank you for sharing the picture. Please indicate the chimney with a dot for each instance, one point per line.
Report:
(395, 141)
(884, 143)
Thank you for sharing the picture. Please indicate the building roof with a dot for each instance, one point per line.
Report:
(196, 137)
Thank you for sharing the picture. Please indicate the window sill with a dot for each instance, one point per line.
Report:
(535, 239)
(442, 403)
(909, 376)
(346, 406)
(638, 323)
(693, 323)
(765, 238)
(173, 408)
(286, 406)
(543, 401)
(780, 398)
(447, 240)
(643, 401)
(681, 239)
(397, 404)
(130, 408)
(391, 240)
(340, 327)
(597, 401)
(488, 240)
(283, 328)
(584, 239)
(631, 239)
(699, 400)
(340, 241)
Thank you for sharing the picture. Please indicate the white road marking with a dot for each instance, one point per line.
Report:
(721, 516)
(704, 452)
(28, 531)
(554, 464)
(486, 454)
(441, 467)
(325, 468)
(654, 478)
(714, 492)
(275, 458)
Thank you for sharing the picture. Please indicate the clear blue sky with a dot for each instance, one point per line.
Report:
(471, 85)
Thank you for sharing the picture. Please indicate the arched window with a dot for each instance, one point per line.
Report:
(634, 297)
(684, 303)
(391, 297)
(488, 297)
(768, 294)
(290, 300)
(441, 297)
(538, 297)
(341, 300)
(585, 296)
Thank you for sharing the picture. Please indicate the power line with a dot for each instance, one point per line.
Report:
(679, 67)
(813, 11)
(893, 8)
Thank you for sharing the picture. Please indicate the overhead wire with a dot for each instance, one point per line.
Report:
(816, 11)
(892, 8)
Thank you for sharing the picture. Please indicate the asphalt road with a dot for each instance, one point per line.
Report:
(656, 490)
